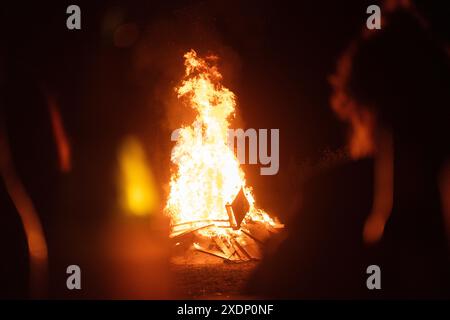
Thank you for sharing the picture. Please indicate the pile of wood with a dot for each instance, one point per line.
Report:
(231, 245)
(234, 240)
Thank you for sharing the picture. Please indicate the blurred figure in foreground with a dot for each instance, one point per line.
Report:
(383, 208)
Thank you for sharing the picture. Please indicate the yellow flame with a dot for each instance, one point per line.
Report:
(139, 195)
(208, 174)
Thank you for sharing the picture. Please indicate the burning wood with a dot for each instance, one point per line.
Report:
(209, 204)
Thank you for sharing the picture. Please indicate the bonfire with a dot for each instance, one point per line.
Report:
(211, 208)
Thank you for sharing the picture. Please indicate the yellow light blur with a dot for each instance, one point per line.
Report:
(138, 192)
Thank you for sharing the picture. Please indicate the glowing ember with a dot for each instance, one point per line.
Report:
(208, 176)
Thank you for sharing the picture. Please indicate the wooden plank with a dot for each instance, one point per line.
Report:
(211, 252)
(223, 246)
(250, 246)
(247, 233)
(231, 216)
(183, 233)
(240, 250)
(198, 221)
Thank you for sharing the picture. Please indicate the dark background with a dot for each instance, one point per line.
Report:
(275, 56)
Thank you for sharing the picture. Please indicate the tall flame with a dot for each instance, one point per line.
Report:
(208, 175)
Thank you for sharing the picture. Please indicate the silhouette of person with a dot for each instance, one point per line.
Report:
(384, 207)
(409, 95)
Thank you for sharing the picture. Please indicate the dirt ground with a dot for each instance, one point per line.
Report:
(212, 281)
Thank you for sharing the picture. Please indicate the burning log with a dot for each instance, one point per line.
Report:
(185, 232)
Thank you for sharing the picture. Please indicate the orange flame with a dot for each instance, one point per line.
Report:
(208, 175)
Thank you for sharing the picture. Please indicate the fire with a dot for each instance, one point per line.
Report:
(208, 176)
